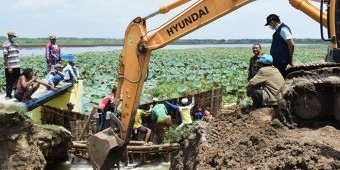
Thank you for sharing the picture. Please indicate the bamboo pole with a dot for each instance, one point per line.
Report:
(139, 148)
(94, 110)
(163, 147)
(79, 145)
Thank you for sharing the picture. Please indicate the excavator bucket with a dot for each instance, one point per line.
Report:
(100, 145)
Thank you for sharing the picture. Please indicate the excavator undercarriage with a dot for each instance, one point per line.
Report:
(311, 92)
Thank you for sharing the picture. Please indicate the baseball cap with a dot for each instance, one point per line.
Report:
(12, 33)
(272, 17)
(184, 101)
(266, 59)
(53, 37)
(58, 66)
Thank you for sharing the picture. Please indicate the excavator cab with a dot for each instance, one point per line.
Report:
(333, 31)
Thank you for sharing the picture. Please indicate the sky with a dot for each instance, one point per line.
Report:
(109, 19)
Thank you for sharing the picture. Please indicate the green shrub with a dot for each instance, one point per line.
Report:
(175, 136)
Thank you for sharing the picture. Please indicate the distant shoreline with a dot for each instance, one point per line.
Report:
(92, 42)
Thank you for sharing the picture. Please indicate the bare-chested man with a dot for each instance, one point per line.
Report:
(27, 84)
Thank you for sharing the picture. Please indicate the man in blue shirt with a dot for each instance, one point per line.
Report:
(54, 77)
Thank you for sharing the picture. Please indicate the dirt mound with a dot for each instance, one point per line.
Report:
(24, 145)
(234, 140)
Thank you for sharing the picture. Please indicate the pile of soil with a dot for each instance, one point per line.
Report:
(25, 145)
(236, 140)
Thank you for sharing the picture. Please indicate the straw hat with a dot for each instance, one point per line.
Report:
(12, 33)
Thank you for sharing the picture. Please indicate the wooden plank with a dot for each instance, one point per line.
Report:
(94, 110)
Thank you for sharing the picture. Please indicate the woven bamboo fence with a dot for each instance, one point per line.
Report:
(75, 121)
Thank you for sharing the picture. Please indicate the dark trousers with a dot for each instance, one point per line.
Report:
(102, 116)
(11, 79)
(101, 120)
(256, 94)
(57, 79)
(282, 69)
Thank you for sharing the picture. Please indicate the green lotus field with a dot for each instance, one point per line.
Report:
(174, 73)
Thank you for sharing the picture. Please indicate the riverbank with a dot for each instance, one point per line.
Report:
(90, 42)
(231, 140)
(25, 145)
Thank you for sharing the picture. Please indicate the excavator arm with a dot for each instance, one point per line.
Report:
(139, 43)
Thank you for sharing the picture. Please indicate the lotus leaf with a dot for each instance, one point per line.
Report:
(182, 88)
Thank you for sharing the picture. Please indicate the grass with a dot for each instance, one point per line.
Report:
(175, 136)
(16, 108)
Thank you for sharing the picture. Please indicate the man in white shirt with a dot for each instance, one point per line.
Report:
(71, 72)
(11, 62)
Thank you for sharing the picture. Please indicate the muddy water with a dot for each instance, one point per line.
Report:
(81, 164)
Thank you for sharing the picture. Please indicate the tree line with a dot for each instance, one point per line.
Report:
(81, 42)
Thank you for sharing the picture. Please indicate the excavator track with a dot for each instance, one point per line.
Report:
(311, 92)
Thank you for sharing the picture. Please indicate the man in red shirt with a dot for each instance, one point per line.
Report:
(105, 105)
(52, 53)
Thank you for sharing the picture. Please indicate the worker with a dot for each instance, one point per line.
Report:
(52, 53)
(184, 110)
(264, 86)
(55, 76)
(105, 105)
(70, 106)
(11, 62)
(282, 47)
(71, 72)
(254, 66)
(138, 125)
(159, 115)
(199, 114)
(27, 84)
(207, 114)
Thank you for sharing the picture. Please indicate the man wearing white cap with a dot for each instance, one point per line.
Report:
(11, 62)
(184, 110)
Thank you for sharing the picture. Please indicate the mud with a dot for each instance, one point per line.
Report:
(26, 146)
(255, 140)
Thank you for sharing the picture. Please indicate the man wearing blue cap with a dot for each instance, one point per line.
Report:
(264, 86)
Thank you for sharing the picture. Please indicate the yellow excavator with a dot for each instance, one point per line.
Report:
(317, 99)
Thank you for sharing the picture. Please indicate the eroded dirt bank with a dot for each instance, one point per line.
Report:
(27, 146)
(234, 140)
